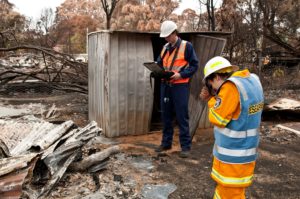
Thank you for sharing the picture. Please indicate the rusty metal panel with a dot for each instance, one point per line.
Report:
(11, 185)
(206, 47)
(13, 171)
(120, 96)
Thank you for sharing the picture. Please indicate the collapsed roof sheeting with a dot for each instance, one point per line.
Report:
(4, 151)
(18, 177)
(58, 162)
(11, 185)
(13, 131)
(8, 165)
(41, 136)
(13, 173)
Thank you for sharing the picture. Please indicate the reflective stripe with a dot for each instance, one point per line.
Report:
(179, 62)
(182, 47)
(235, 153)
(216, 195)
(174, 68)
(177, 68)
(221, 120)
(237, 134)
(163, 50)
(234, 181)
(241, 87)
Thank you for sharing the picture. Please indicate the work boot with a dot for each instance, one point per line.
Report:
(184, 154)
(162, 148)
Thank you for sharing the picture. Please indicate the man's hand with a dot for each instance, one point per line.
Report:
(176, 76)
(204, 94)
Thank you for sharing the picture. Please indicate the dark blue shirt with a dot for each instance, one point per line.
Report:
(189, 56)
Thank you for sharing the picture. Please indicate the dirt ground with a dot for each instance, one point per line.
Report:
(276, 175)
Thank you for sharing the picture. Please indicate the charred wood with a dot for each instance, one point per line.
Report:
(94, 159)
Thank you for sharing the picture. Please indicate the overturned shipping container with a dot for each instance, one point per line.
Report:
(121, 98)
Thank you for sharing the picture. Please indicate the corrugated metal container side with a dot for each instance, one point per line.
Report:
(98, 60)
(206, 47)
(120, 96)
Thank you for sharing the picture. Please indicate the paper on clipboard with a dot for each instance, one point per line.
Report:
(154, 67)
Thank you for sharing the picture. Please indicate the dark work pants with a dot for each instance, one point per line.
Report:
(175, 97)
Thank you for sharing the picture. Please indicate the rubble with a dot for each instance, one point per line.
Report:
(13, 131)
(53, 147)
(285, 104)
(53, 155)
(13, 172)
(94, 159)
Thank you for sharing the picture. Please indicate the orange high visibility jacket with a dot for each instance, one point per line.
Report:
(222, 109)
(179, 62)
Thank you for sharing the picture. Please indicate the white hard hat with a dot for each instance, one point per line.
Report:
(218, 64)
(167, 27)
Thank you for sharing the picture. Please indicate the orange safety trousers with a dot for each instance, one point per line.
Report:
(232, 179)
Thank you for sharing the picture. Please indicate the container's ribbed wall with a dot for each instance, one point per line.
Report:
(98, 61)
(120, 95)
(206, 47)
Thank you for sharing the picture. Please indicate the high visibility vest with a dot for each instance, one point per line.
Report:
(237, 143)
(179, 62)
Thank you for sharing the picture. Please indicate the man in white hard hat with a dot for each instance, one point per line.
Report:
(177, 56)
(235, 101)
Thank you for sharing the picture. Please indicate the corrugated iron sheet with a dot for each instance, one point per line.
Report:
(58, 160)
(57, 149)
(120, 96)
(14, 131)
(13, 171)
(206, 47)
(8, 165)
(4, 151)
(11, 185)
(41, 137)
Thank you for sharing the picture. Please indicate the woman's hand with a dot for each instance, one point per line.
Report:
(204, 94)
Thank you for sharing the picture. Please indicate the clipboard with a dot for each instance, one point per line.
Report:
(158, 71)
(154, 67)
